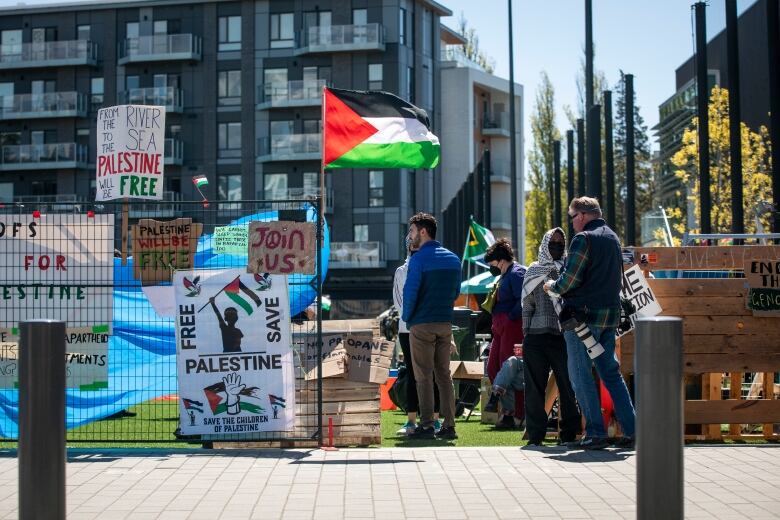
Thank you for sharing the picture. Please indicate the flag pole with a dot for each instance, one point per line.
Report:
(322, 157)
(220, 292)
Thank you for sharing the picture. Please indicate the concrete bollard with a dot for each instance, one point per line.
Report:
(658, 362)
(42, 420)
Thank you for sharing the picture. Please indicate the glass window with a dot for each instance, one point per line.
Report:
(229, 139)
(96, 86)
(275, 186)
(83, 32)
(160, 80)
(160, 27)
(410, 84)
(40, 86)
(229, 87)
(44, 34)
(402, 27)
(376, 188)
(375, 76)
(132, 82)
(359, 16)
(229, 33)
(174, 131)
(316, 19)
(10, 138)
(11, 42)
(311, 182)
(131, 30)
(311, 126)
(282, 32)
(228, 188)
(360, 232)
(275, 76)
(309, 74)
(281, 128)
(427, 32)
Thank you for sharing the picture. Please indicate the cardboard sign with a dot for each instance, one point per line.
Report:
(235, 362)
(763, 278)
(231, 239)
(358, 354)
(636, 289)
(282, 248)
(159, 248)
(130, 152)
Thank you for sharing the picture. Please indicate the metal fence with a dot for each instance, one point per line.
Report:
(74, 261)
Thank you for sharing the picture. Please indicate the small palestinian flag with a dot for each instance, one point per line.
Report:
(190, 404)
(237, 291)
(277, 401)
(200, 181)
(249, 399)
(375, 130)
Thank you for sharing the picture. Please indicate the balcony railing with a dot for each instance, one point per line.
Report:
(496, 124)
(455, 54)
(169, 97)
(299, 93)
(174, 152)
(161, 47)
(344, 38)
(290, 147)
(356, 255)
(50, 104)
(297, 194)
(43, 156)
(58, 203)
(48, 54)
(158, 208)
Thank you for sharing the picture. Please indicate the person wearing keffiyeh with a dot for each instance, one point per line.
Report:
(544, 347)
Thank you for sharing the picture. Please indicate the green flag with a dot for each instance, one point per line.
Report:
(477, 242)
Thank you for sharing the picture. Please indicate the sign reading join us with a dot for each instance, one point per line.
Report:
(130, 152)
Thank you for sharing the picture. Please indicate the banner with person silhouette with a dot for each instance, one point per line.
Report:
(235, 364)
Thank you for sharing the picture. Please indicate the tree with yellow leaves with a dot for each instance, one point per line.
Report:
(756, 170)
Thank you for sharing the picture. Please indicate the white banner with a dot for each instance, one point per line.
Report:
(235, 362)
(636, 289)
(130, 152)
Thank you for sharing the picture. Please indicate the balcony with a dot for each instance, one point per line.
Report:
(59, 203)
(174, 152)
(43, 156)
(357, 255)
(496, 125)
(454, 54)
(169, 97)
(341, 38)
(304, 93)
(297, 194)
(48, 54)
(291, 147)
(161, 47)
(39, 106)
(165, 208)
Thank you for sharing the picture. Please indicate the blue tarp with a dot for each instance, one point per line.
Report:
(142, 349)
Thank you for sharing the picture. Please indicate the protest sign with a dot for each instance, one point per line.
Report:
(86, 357)
(56, 266)
(231, 239)
(235, 361)
(763, 278)
(282, 248)
(637, 290)
(159, 248)
(368, 357)
(130, 152)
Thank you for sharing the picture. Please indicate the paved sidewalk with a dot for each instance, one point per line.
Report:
(446, 483)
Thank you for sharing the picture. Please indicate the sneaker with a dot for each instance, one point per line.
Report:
(447, 433)
(626, 443)
(492, 404)
(422, 433)
(593, 443)
(436, 425)
(407, 428)
(507, 422)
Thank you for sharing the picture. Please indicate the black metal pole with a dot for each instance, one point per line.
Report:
(512, 136)
(488, 193)
(630, 237)
(588, 55)
(773, 37)
(556, 183)
(609, 201)
(569, 173)
(580, 157)
(735, 119)
(42, 419)
(594, 152)
(702, 102)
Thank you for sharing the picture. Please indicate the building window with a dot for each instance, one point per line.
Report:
(359, 17)
(410, 84)
(229, 140)
(375, 76)
(229, 87)
(11, 42)
(311, 181)
(83, 32)
(229, 188)
(360, 232)
(376, 188)
(311, 126)
(96, 92)
(316, 19)
(282, 33)
(132, 30)
(427, 33)
(402, 27)
(160, 27)
(229, 33)
(275, 186)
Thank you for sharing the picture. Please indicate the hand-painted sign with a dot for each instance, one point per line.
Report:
(235, 364)
(231, 239)
(763, 278)
(282, 248)
(637, 290)
(159, 248)
(130, 152)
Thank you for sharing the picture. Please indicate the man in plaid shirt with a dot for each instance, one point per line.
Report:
(591, 283)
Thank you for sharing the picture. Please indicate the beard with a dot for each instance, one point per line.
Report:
(415, 242)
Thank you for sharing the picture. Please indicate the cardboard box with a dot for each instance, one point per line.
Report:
(484, 396)
(369, 357)
(466, 370)
(334, 365)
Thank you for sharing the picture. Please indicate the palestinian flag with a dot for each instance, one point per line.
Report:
(277, 401)
(248, 399)
(200, 181)
(375, 130)
(237, 291)
(190, 404)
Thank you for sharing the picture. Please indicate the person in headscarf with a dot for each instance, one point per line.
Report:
(544, 347)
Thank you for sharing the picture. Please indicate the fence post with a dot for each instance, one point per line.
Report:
(658, 364)
(42, 420)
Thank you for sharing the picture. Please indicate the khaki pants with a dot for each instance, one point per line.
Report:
(431, 355)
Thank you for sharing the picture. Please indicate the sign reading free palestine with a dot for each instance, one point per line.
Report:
(130, 152)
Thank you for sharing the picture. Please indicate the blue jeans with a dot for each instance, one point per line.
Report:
(585, 388)
(510, 378)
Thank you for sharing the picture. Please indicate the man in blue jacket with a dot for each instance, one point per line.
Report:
(432, 284)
